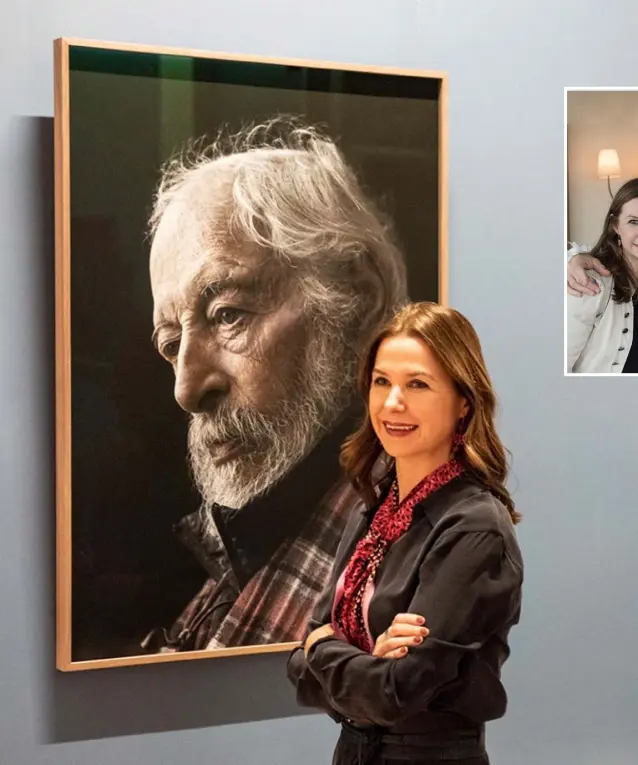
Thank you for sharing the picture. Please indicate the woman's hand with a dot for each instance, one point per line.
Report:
(406, 630)
(325, 630)
(578, 282)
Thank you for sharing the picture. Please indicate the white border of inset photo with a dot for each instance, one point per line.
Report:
(600, 158)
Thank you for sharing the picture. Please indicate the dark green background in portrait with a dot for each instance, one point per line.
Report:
(129, 112)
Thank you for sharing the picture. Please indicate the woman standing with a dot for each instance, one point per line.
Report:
(601, 318)
(406, 645)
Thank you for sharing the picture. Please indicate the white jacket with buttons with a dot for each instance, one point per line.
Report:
(599, 331)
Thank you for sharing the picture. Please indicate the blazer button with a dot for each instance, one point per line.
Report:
(625, 330)
(621, 349)
(615, 364)
(626, 315)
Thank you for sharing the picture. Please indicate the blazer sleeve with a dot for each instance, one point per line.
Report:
(581, 317)
(576, 249)
(310, 692)
(468, 590)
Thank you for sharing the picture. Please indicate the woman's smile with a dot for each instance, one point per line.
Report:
(398, 429)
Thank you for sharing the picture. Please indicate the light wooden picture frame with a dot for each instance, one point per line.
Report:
(124, 482)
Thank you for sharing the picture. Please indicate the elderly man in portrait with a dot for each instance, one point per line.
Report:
(270, 270)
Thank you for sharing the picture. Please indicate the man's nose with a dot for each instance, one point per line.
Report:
(395, 398)
(199, 378)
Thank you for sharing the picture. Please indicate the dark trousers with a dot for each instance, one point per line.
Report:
(367, 747)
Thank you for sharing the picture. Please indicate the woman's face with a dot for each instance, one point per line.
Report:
(627, 228)
(414, 406)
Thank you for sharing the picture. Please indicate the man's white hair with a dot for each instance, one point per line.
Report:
(293, 194)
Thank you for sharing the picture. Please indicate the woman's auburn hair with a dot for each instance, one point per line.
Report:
(456, 346)
(609, 251)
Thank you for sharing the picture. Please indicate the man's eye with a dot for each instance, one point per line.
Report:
(169, 349)
(228, 316)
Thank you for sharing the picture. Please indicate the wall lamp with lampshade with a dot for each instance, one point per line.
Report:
(608, 166)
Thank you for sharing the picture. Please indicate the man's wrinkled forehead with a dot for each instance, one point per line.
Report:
(195, 218)
(184, 268)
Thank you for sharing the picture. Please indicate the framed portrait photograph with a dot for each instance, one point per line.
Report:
(230, 233)
(601, 231)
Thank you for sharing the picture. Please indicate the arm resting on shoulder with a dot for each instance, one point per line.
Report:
(468, 590)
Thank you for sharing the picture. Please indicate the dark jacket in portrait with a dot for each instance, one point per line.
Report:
(268, 562)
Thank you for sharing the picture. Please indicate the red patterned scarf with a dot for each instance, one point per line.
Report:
(390, 522)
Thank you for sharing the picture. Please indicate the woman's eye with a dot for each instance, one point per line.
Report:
(379, 381)
(419, 384)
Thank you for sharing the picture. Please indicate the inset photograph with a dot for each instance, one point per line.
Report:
(601, 227)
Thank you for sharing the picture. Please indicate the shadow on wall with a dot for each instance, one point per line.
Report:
(128, 700)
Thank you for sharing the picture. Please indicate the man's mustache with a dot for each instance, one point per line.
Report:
(228, 425)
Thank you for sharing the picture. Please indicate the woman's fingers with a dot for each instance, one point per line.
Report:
(407, 625)
(398, 653)
(409, 619)
(391, 644)
(394, 646)
(406, 630)
(585, 286)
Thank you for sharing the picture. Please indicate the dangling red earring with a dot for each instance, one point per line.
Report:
(458, 441)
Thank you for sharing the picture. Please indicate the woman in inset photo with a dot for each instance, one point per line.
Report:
(602, 286)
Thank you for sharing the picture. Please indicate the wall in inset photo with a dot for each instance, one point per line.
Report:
(230, 234)
(599, 121)
(601, 230)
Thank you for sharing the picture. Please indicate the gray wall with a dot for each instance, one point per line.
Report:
(573, 673)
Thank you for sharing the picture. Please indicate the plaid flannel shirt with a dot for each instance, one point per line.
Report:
(271, 599)
(276, 603)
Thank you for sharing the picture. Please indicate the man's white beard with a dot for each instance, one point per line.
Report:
(275, 442)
